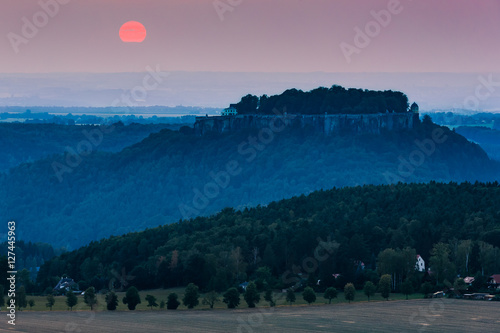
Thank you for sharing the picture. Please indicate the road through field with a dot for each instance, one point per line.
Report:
(438, 315)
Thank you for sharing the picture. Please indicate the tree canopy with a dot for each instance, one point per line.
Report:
(334, 100)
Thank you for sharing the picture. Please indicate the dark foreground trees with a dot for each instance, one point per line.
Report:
(151, 301)
(232, 298)
(251, 296)
(111, 301)
(330, 293)
(172, 301)
(132, 298)
(71, 300)
(369, 289)
(191, 296)
(309, 295)
(384, 286)
(290, 296)
(50, 301)
(90, 298)
(210, 299)
(349, 292)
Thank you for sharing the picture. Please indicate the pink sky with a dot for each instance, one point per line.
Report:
(257, 36)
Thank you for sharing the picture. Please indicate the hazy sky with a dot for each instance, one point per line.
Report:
(256, 36)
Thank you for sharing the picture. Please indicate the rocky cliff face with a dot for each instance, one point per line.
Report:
(327, 124)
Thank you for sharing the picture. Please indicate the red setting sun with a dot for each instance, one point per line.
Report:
(132, 32)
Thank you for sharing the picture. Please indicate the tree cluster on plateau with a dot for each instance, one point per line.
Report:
(334, 100)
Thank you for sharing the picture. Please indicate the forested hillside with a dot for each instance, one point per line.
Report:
(20, 143)
(455, 228)
(71, 200)
(488, 139)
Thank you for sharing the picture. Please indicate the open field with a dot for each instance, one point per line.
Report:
(437, 315)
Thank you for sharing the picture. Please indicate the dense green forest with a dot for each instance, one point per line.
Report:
(488, 139)
(69, 200)
(358, 232)
(21, 143)
(29, 257)
(334, 100)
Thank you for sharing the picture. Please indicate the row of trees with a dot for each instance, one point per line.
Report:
(334, 100)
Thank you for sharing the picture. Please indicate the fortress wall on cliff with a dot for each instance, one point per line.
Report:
(327, 124)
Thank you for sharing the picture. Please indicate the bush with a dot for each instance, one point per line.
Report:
(384, 286)
(172, 301)
(330, 293)
(290, 296)
(111, 301)
(369, 289)
(132, 298)
(251, 295)
(231, 298)
(349, 292)
(191, 296)
(309, 295)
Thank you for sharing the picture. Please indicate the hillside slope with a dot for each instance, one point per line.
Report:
(21, 143)
(350, 224)
(173, 175)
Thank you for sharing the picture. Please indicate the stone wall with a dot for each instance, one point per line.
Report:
(327, 124)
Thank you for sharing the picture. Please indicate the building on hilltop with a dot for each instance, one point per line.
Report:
(230, 111)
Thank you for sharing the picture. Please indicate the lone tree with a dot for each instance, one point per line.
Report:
(232, 298)
(21, 300)
(330, 293)
(309, 295)
(290, 296)
(71, 300)
(111, 301)
(210, 299)
(384, 286)
(172, 301)
(191, 296)
(90, 298)
(349, 292)
(151, 301)
(162, 304)
(251, 295)
(369, 289)
(268, 296)
(132, 298)
(31, 303)
(50, 301)
(407, 288)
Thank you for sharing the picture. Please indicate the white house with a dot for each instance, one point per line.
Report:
(420, 264)
(231, 111)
